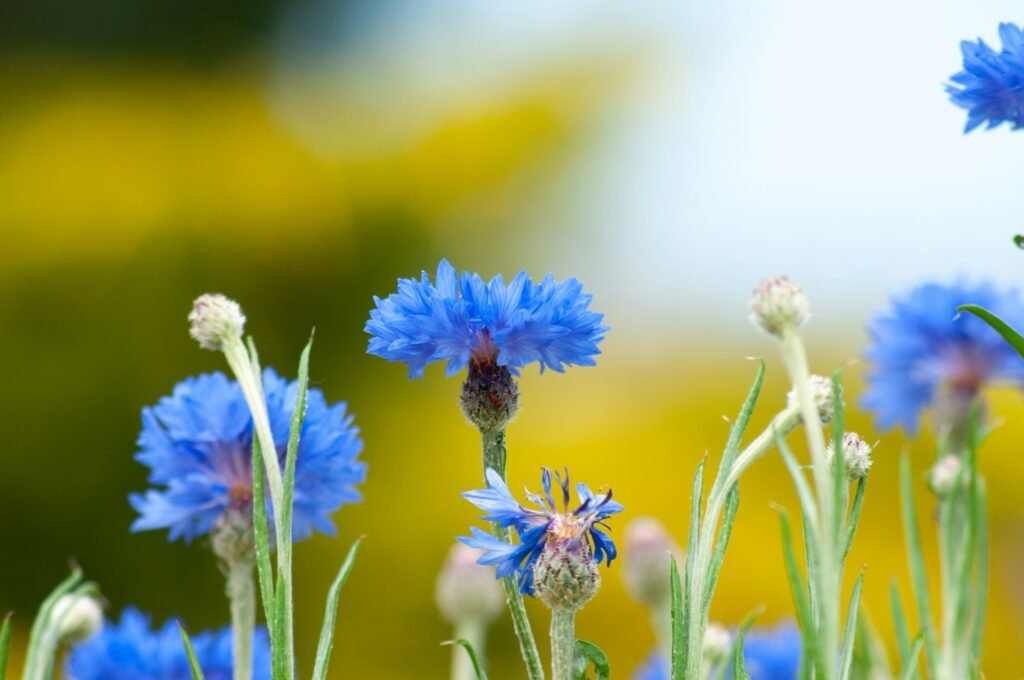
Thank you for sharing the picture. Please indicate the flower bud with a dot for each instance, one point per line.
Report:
(778, 304)
(856, 455)
(490, 397)
(465, 590)
(647, 554)
(232, 536)
(824, 397)
(717, 643)
(77, 617)
(214, 320)
(943, 475)
(566, 576)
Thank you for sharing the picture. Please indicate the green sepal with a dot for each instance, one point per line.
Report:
(587, 653)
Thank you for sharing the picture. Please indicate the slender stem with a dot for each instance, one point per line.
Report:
(563, 643)
(795, 360)
(241, 591)
(494, 455)
(472, 631)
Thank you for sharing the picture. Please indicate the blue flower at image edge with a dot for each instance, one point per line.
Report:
(536, 526)
(132, 650)
(768, 654)
(991, 85)
(920, 347)
(198, 446)
(461, 318)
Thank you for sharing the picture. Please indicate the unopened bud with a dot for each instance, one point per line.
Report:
(566, 576)
(717, 643)
(647, 559)
(490, 397)
(943, 475)
(777, 305)
(77, 617)
(232, 536)
(467, 591)
(215, 320)
(856, 455)
(824, 397)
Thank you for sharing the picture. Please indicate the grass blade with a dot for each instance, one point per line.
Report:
(797, 588)
(326, 644)
(915, 558)
(478, 668)
(589, 653)
(193, 662)
(678, 629)
(1011, 336)
(900, 623)
(910, 663)
(850, 635)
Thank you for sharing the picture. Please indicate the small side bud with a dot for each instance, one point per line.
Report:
(467, 591)
(647, 554)
(717, 643)
(214, 320)
(566, 576)
(778, 305)
(856, 455)
(77, 617)
(943, 475)
(232, 536)
(490, 397)
(824, 397)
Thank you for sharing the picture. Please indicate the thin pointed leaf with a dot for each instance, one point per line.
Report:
(851, 525)
(732, 446)
(262, 532)
(38, 633)
(910, 665)
(840, 484)
(738, 670)
(298, 415)
(900, 623)
(678, 630)
(850, 635)
(478, 668)
(981, 586)
(967, 549)
(326, 644)
(1011, 336)
(5, 645)
(588, 653)
(797, 588)
(732, 503)
(690, 604)
(193, 662)
(803, 490)
(915, 558)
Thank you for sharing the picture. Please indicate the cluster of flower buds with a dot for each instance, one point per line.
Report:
(824, 397)
(856, 455)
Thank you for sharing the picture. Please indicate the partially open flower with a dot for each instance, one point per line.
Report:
(824, 397)
(214, 320)
(778, 305)
(856, 455)
(467, 591)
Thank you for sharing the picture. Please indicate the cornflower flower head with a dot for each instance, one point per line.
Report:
(197, 443)
(493, 328)
(559, 548)
(132, 650)
(923, 354)
(991, 85)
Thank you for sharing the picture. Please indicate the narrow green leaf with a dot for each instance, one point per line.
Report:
(850, 634)
(193, 662)
(981, 586)
(732, 446)
(909, 669)
(854, 520)
(1018, 240)
(840, 484)
(1011, 336)
(690, 612)
(739, 672)
(900, 622)
(589, 653)
(5, 644)
(326, 644)
(478, 668)
(797, 588)
(915, 558)
(293, 436)
(262, 532)
(732, 503)
(803, 489)
(678, 629)
(968, 544)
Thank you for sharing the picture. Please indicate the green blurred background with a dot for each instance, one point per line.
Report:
(302, 156)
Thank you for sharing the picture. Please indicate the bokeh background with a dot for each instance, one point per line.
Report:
(300, 156)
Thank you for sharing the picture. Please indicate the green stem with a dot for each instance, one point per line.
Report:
(563, 643)
(472, 631)
(494, 455)
(241, 592)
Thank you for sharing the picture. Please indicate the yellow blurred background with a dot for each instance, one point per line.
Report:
(301, 157)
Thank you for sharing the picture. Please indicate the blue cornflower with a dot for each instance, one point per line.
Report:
(920, 349)
(991, 86)
(132, 650)
(198, 445)
(768, 654)
(462, 319)
(537, 527)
